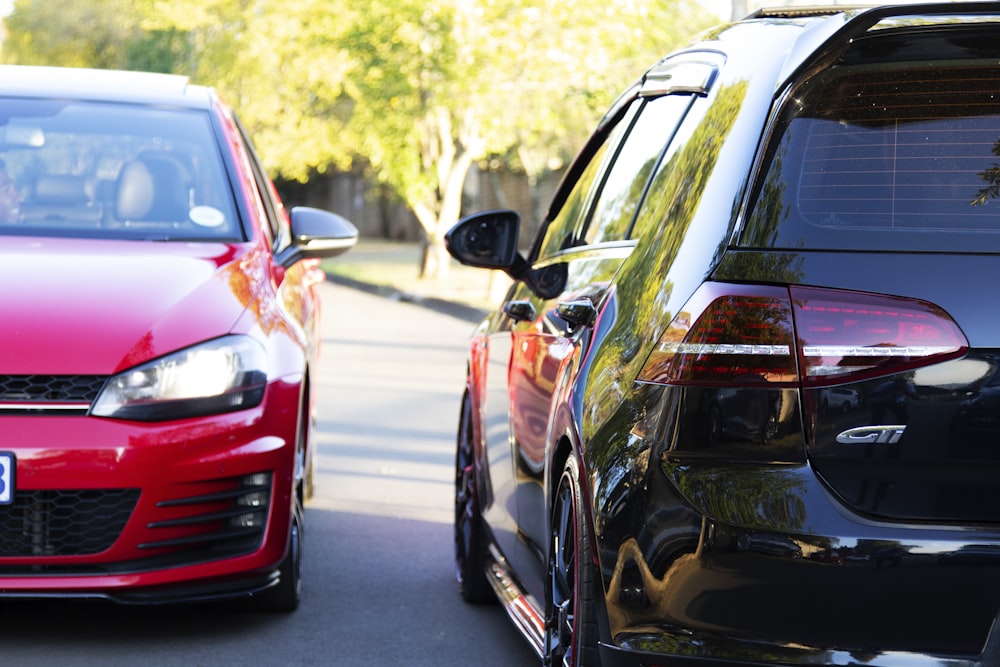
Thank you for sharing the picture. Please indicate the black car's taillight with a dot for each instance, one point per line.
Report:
(739, 335)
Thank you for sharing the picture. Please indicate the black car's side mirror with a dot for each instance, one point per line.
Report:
(487, 240)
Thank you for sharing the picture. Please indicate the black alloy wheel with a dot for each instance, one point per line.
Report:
(570, 616)
(470, 544)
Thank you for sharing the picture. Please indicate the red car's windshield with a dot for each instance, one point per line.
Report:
(102, 170)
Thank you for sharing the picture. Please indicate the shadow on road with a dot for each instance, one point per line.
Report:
(378, 591)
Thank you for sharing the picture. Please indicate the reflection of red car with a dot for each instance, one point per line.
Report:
(160, 330)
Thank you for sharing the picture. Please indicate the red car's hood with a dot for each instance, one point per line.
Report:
(72, 306)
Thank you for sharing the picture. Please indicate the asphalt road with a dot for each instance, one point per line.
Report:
(379, 585)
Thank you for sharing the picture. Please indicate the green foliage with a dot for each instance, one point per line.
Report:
(156, 51)
(81, 34)
(277, 63)
(415, 90)
(992, 177)
(403, 82)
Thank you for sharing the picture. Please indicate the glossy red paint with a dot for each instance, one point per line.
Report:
(169, 461)
(123, 304)
(186, 503)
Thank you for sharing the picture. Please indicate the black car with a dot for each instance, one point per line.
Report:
(802, 204)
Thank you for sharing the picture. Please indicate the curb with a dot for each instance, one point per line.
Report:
(457, 310)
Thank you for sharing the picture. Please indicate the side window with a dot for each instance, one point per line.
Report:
(563, 231)
(627, 181)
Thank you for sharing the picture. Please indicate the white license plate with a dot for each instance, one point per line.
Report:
(6, 478)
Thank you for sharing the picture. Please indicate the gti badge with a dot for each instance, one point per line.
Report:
(869, 435)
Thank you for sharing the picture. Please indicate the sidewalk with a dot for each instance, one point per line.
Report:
(392, 269)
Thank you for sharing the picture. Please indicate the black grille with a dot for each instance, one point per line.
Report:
(209, 521)
(50, 388)
(64, 523)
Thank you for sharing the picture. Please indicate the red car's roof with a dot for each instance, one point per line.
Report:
(105, 85)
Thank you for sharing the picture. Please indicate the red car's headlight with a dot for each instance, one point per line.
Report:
(222, 375)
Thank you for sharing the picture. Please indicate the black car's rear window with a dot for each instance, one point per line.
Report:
(886, 156)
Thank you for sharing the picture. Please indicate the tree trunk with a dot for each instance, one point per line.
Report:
(435, 261)
(454, 158)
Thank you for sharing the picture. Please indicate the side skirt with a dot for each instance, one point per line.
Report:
(528, 620)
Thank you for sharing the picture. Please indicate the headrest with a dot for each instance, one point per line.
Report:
(152, 189)
(134, 199)
(59, 190)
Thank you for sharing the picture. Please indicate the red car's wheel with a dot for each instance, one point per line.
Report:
(286, 595)
(571, 625)
(470, 543)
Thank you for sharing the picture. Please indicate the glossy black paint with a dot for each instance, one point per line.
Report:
(846, 523)
(733, 546)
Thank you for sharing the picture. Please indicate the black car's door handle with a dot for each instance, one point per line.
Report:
(519, 311)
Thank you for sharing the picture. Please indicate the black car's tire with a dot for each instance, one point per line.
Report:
(470, 543)
(570, 614)
(286, 595)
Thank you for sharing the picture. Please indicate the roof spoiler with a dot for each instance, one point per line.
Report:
(845, 24)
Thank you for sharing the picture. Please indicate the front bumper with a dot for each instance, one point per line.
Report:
(172, 511)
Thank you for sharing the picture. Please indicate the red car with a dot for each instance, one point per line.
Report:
(159, 339)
